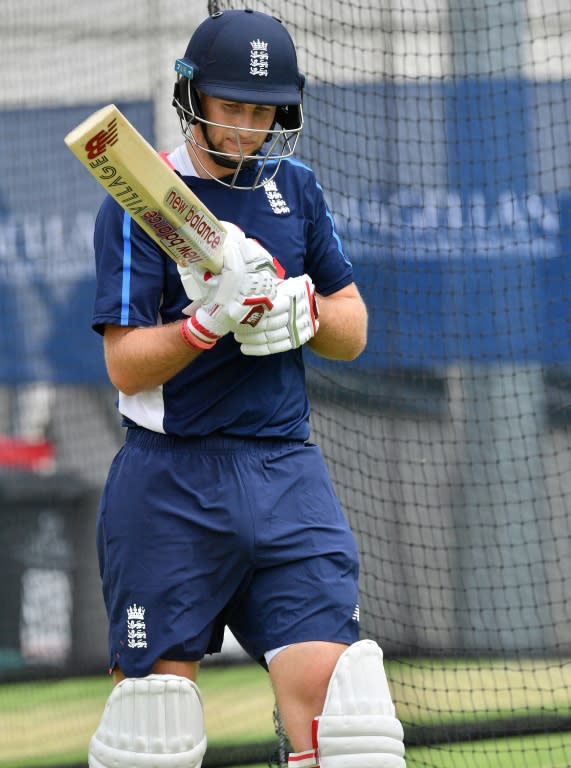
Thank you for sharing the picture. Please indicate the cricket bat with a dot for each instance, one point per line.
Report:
(147, 188)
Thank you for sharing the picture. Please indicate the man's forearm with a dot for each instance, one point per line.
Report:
(342, 333)
(143, 358)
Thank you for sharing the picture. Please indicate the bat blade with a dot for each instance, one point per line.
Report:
(132, 172)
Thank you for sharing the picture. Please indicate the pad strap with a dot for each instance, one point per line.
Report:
(306, 759)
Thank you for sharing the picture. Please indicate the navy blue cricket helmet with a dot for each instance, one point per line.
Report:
(243, 56)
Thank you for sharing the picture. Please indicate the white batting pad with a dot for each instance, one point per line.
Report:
(150, 722)
(358, 727)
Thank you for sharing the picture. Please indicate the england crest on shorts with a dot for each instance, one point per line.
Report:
(136, 627)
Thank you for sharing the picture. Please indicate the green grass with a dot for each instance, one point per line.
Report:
(436, 691)
(49, 723)
(553, 751)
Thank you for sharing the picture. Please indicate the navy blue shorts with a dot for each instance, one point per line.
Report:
(193, 535)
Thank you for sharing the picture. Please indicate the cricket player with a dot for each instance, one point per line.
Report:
(219, 510)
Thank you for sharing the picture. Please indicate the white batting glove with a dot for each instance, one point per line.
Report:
(291, 322)
(239, 253)
(206, 326)
(255, 258)
(236, 298)
(195, 282)
(232, 309)
(199, 284)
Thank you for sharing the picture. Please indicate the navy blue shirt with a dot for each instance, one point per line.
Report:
(222, 390)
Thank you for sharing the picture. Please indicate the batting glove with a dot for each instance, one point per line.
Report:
(241, 254)
(292, 321)
(200, 284)
(236, 298)
(206, 325)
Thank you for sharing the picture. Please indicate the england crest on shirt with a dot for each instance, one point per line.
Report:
(275, 199)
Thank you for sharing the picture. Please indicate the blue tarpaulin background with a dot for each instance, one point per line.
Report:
(468, 260)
